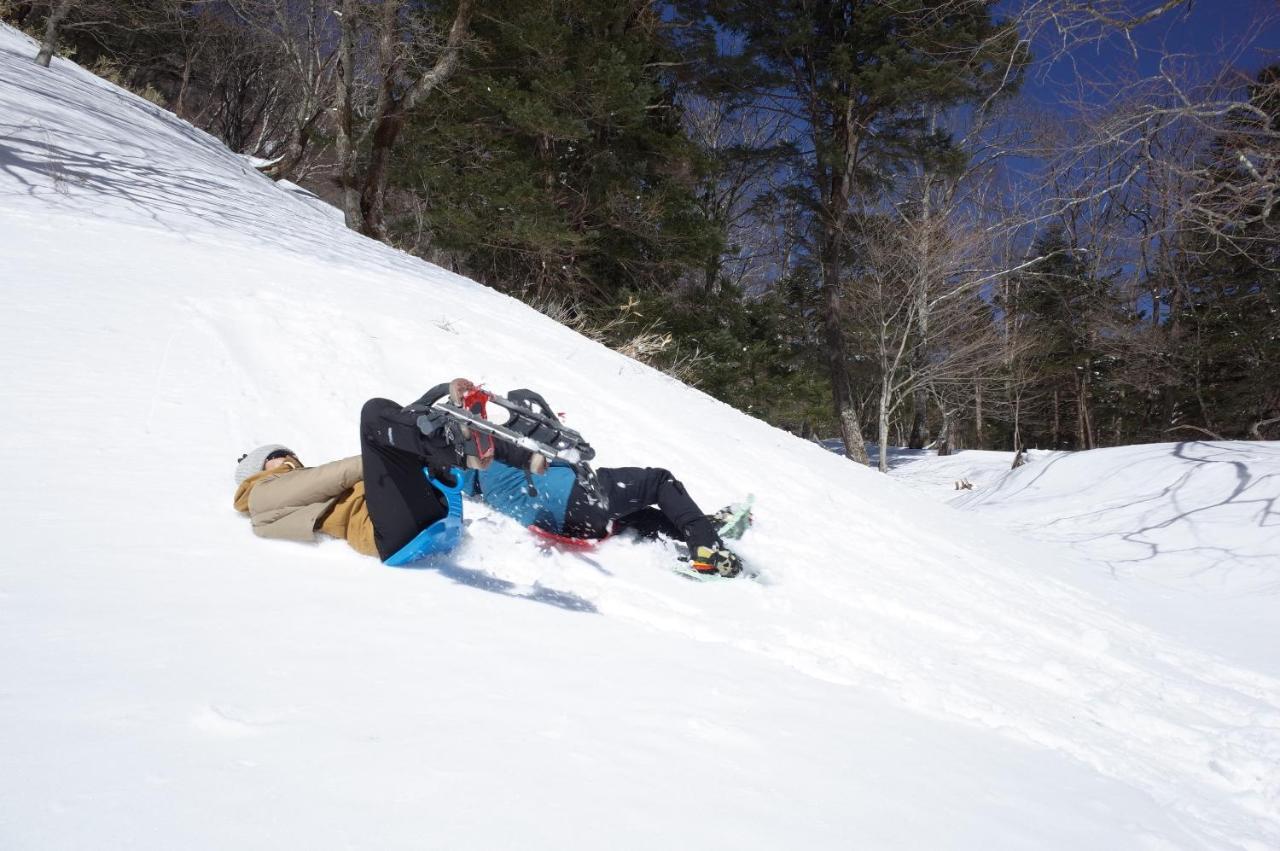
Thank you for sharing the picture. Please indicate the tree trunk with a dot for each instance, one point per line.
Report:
(1057, 420)
(1084, 424)
(711, 276)
(180, 102)
(49, 46)
(836, 180)
(837, 363)
(944, 434)
(1081, 440)
(296, 148)
(918, 432)
(348, 194)
(391, 121)
(919, 435)
(883, 431)
(373, 196)
(1017, 421)
(977, 413)
(851, 430)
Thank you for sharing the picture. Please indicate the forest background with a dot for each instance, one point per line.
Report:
(957, 223)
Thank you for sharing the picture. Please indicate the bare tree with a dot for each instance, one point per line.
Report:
(349, 193)
(1162, 161)
(937, 266)
(188, 29)
(401, 43)
(1058, 27)
(305, 33)
(1138, 133)
(744, 141)
(58, 12)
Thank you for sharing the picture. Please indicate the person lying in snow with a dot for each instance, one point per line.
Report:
(379, 500)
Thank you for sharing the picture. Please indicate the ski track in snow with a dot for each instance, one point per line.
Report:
(864, 587)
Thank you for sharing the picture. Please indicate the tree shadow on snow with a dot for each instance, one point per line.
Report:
(1026, 478)
(1259, 493)
(1188, 499)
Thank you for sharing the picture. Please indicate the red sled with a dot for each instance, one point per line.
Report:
(551, 539)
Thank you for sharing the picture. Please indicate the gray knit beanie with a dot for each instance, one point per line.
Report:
(252, 461)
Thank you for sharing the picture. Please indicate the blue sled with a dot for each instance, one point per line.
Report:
(441, 536)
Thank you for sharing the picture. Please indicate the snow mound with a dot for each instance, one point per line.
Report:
(1187, 533)
(906, 675)
(1206, 509)
(937, 476)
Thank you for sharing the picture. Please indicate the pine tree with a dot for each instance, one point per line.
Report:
(855, 75)
(557, 167)
(1071, 316)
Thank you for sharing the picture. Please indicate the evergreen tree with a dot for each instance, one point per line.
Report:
(755, 354)
(856, 75)
(557, 167)
(1074, 321)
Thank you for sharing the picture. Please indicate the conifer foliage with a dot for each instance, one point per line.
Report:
(557, 167)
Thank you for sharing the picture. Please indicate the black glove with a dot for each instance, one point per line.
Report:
(442, 441)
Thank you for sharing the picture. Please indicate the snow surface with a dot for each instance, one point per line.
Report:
(1186, 536)
(905, 675)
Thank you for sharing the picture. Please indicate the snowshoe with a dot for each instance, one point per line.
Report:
(715, 561)
(733, 520)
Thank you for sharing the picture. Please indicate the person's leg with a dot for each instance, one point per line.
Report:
(583, 516)
(648, 522)
(393, 452)
(631, 490)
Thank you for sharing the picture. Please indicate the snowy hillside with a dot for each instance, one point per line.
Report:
(1185, 536)
(905, 675)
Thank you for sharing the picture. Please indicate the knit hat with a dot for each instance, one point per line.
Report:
(252, 461)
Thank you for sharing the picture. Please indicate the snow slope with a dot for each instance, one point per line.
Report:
(904, 676)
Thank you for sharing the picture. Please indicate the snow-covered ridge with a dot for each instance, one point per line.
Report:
(907, 676)
(1187, 534)
(1195, 507)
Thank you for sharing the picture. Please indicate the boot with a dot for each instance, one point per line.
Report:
(718, 560)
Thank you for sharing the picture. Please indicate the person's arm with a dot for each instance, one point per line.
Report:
(308, 485)
(514, 456)
(507, 453)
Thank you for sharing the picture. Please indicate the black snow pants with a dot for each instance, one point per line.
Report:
(648, 500)
(393, 450)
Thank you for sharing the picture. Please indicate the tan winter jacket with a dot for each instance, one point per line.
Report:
(293, 502)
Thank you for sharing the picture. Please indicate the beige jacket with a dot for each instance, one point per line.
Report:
(291, 503)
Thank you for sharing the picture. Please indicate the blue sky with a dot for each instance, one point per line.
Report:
(1245, 32)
